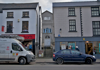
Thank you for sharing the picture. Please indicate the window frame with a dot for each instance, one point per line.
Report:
(93, 22)
(75, 51)
(95, 10)
(18, 45)
(9, 13)
(7, 27)
(72, 25)
(70, 11)
(62, 52)
(27, 26)
(23, 15)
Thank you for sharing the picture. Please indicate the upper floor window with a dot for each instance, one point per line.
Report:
(26, 14)
(47, 30)
(46, 18)
(95, 11)
(72, 25)
(47, 36)
(9, 14)
(9, 26)
(24, 26)
(96, 28)
(71, 11)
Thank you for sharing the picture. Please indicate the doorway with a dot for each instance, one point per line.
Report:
(89, 48)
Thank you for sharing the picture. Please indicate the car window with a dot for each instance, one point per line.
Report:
(15, 46)
(65, 52)
(74, 52)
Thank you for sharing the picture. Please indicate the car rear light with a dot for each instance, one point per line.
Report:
(53, 55)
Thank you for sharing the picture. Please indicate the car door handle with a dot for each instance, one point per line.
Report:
(11, 51)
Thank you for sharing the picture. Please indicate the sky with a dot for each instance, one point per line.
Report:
(45, 4)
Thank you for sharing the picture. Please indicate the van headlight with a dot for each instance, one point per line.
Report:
(93, 56)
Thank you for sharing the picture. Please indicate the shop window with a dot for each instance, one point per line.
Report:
(24, 26)
(72, 44)
(9, 26)
(96, 47)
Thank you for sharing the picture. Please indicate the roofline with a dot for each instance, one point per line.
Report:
(21, 3)
(77, 6)
(74, 1)
(47, 11)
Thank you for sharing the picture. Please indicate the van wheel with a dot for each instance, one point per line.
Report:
(22, 61)
(88, 61)
(59, 61)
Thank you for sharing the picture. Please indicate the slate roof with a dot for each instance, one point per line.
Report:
(76, 4)
(17, 5)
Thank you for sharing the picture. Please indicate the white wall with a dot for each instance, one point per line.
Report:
(87, 21)
(17, 26)
(0, 22)
(61, 20)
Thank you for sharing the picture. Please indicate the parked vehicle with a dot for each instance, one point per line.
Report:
(12, 50)
(69, 55)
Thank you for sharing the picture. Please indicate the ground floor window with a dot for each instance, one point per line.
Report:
(96, 47)
(66, 45)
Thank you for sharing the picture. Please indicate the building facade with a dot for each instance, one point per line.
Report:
(78, 24)
(21, 19)
(47, 29)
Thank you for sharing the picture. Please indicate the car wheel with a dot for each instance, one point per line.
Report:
(89, 61)
(22, 61)
(59, 61)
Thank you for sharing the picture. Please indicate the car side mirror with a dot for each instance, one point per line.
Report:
(80, 54)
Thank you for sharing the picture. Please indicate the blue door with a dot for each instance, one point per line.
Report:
(77, 56)
(66, 55)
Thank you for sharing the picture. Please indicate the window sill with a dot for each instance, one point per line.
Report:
(24, 32)
(47, 33)
(8, 32)
(71, 15)
(95, 16)
(9, 17)
(25, 17)
(72, 31)
(96, 35)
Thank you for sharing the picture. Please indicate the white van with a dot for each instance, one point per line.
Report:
(12, 50)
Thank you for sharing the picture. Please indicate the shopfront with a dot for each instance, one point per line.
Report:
(87, 45)
(29, 41)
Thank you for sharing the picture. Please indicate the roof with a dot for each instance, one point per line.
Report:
(17, 5)
(76, 4)
(47, 11)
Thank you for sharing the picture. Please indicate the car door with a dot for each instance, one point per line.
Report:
(66, 55)
(14, 51)
(77, 56)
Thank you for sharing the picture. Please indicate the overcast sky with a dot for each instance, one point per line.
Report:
(45, 4)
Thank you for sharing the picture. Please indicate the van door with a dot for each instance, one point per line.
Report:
(4, 51)
(14, 52)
